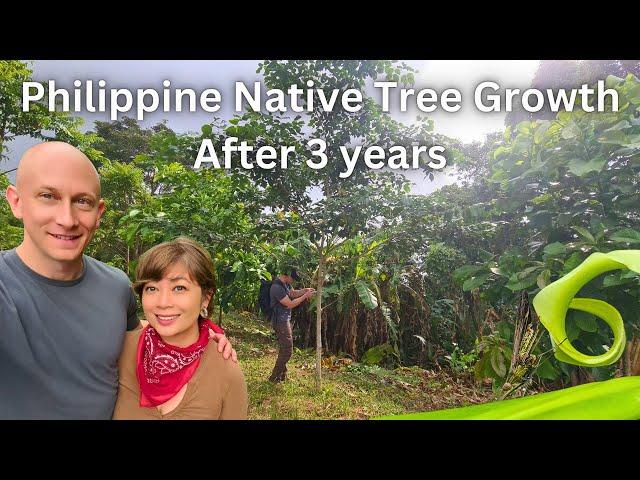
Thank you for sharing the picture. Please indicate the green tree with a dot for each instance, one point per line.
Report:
(123, 190)
(122, 140)
(10, 227)
(556, 74)
(38, 121)
(351, 208)
(567, 188)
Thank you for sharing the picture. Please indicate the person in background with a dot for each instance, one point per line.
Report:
(283, 298)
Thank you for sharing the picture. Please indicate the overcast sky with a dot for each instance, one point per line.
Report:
(468, 124)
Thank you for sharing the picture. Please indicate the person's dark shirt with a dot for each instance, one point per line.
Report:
(60, 340)
(278, 291)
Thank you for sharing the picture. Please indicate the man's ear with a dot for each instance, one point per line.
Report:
(101, 207)
(14, 201)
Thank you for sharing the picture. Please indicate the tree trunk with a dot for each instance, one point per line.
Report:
(319, 319)
(3, 134)
(634, 356)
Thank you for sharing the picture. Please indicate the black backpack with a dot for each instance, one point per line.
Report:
(264, 298)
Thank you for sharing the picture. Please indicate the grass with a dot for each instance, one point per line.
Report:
(349, 390)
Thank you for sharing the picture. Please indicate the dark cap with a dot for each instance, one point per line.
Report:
(291, 271)
(294, 274)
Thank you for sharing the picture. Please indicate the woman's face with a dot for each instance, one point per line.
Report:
(172, 306)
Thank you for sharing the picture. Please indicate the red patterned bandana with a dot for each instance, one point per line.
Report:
(163, 369)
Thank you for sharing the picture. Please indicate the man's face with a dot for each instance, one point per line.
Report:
(58, 202)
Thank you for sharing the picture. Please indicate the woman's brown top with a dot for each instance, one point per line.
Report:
(217, 389)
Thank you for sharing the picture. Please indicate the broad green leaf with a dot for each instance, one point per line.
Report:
(375, 355)
(504, 329)
(572, 262)
(507, 133)
(524, 127)
(634, 91)
(546, 370)
(475, 282)
(543, 279)
(540, 131)
(130, 233)
(627, 235)
(586, 321)
(585, 233)
(614, 137)
(517, 285)
(571, 130)
(526, 272)
(615, 279)
(465, 271)
(614, 399)
(555, 248)
(500, 152)
(498, 363)
(482, 368)
(571, 327)
(579, 167)
(612, 81)
(367, 297)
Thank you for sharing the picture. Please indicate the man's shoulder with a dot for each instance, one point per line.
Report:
(277, 287)
(7, 268)
(4, 254)
(6, 276)
(278, 283)
(107, 270)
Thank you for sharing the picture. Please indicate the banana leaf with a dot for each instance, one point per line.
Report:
(617, 399)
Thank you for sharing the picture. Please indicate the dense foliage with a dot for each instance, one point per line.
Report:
(439, 280)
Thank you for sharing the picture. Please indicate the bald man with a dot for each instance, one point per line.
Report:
(63, 315)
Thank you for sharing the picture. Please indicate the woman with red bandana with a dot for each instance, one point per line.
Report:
(169, 369)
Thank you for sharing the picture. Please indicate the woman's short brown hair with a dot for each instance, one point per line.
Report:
(154, 263)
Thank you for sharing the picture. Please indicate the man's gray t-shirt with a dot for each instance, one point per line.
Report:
(277, 292)
(60, 340)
